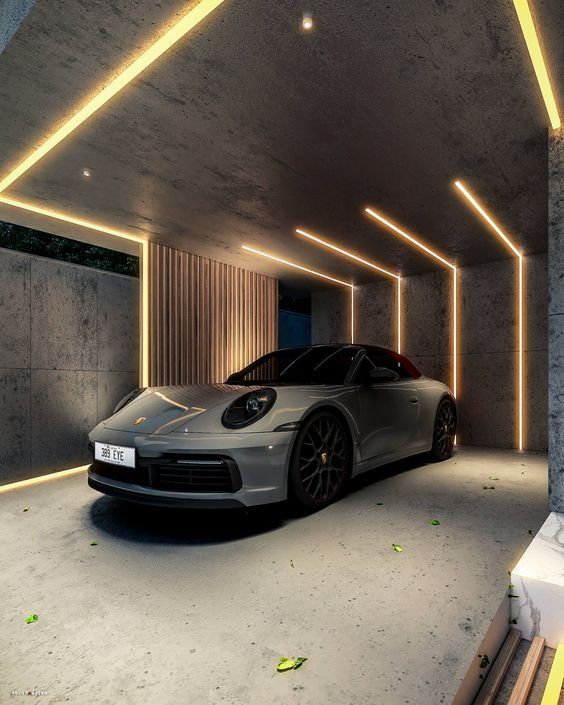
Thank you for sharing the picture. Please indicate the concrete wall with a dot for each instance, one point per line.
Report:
(487, 365)
(556, 322)
(69, 350)
(12, 14)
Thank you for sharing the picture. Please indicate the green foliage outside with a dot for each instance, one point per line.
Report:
(34, 242)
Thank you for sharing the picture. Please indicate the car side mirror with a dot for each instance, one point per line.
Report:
(382, 374)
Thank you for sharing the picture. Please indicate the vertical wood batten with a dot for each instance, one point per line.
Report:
(207, 319)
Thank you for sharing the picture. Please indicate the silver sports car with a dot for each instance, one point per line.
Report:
(296, 423)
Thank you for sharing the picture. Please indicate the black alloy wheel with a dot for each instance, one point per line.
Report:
(321, 462)
(444, 431)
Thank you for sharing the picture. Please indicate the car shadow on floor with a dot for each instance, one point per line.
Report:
(146, 524)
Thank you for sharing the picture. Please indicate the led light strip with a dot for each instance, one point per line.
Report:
(144, 245)
(533, 45)
(495, 227)
(192, 18)
(367, 263)
(374, 214)
(315, 273)
(22, 484)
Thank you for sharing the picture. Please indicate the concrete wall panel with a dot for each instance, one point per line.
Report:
(330, 316)
(15, 425)
(63, 409)
(14, 310)
(118, 323)
(82, 361)
(63, 316)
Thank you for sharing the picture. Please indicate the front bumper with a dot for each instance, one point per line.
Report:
(261, 458)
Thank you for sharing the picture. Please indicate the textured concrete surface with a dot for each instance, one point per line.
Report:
(250, 127)
(63, 316)
(198, 607)
(556, 323)
(487, 341)
(69, 350)
(12, 14)
(15, 419)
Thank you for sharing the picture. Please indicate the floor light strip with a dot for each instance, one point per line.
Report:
(192, 18)
(535, 52)
(142, 242)
(367, 263)
(521, 294)
(275, 258)
(42, 478)
(391, 226)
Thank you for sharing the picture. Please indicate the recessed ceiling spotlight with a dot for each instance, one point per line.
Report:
(307, 22)
(86, 173)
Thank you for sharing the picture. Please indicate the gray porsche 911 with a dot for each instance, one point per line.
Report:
(296, 423)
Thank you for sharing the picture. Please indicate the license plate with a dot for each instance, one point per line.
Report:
(116, 455)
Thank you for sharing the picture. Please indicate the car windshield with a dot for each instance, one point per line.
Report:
(323, 364)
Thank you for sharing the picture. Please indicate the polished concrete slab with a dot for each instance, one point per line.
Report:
(198, 607)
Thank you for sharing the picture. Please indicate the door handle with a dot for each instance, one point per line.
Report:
(414, 399)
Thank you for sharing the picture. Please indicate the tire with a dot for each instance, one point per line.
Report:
(444, 430)
(321, 461)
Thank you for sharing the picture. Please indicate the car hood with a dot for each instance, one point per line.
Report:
(161, 410)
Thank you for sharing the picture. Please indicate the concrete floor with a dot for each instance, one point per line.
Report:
(197, 608)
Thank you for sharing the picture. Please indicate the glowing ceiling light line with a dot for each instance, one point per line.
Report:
(521, 289)
(444, 261)
(409, 237)
(192, 18)
(315, 273)
(143, 243)
(367, 263)
(539, 64)
(22, 484)
(346, 253)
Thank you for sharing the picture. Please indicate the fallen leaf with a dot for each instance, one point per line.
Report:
(397, 547)
(93, 543)
(491, 477)
(289, 664)
(484, 660)
(291, 562)
(25, 509)
(488, 487)
(434, 522)
(285, 664)
(31, 618)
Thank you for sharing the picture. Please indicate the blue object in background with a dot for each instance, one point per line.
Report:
(293, 329)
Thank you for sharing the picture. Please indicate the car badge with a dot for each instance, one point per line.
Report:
(139, 420)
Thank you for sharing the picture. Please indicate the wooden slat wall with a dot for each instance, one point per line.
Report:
(207, 319)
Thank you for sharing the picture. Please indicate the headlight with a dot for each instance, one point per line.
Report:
(128, 398)
(249, 408)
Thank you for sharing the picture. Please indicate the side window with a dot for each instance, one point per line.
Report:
(379, 359)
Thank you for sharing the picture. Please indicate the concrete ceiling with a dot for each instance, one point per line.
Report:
(251, 127)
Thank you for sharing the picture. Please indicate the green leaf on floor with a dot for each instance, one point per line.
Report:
(397, 547)
(25, 509)
(93, 543)
(488, 487)
(289, 664)
(434, 522)
(31, 618)
(491, 477)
